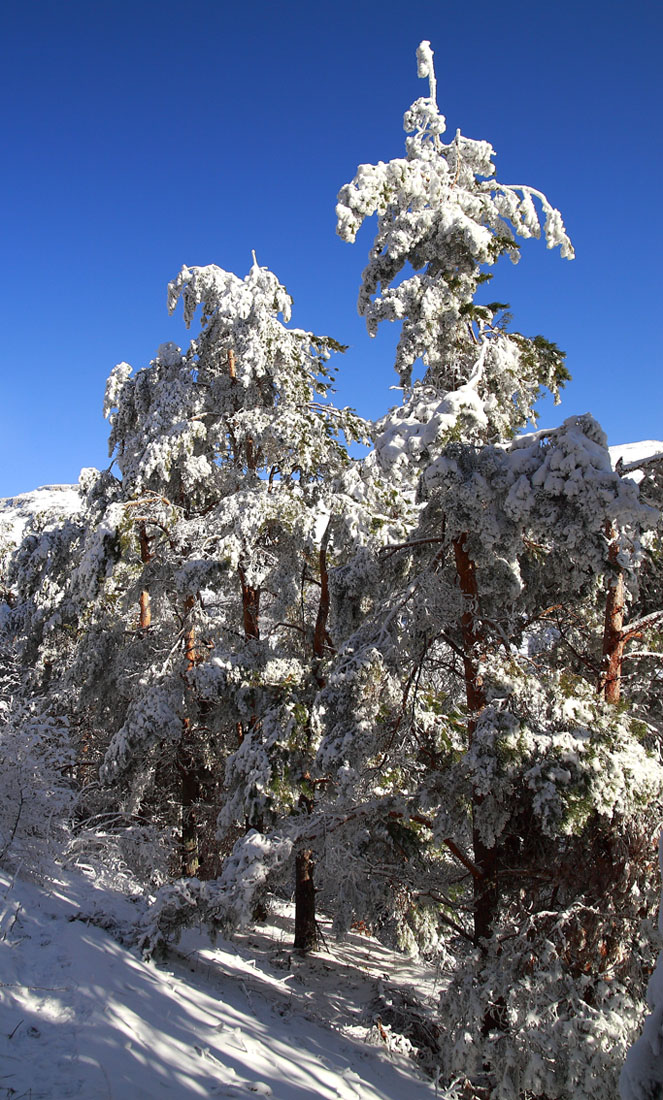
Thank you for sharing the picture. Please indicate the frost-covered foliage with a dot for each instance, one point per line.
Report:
(642, 1075)
(642, 673)
(576, 757)
(39, 536)
(469, 761)
(560, 785)
(461, 733)
(206, 631)
(249, 392)
(442, 217)
(568, 796)
(562, 1033)
(226, 903)
(36, 764)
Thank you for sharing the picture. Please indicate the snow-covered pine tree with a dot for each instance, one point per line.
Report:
(236, 488)
(476, 768)
(39, 534)
(36, 760)
(473, 792)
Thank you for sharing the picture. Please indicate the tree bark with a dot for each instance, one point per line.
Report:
(614, 636)
(250, 606)
(321, 640)
(145, 618)
(306, 932)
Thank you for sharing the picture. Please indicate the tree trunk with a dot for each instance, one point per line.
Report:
(486, 894)
(486, 888)
(306, 932)
(189, 795)
(145, 556)
(250, 606)
(321, 640)
(251, 621)
(614, 639)
(190, 636)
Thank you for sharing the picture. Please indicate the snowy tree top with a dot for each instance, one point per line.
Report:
(249, 393)
(440, 212)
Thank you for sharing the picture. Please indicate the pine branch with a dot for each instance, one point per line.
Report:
(636, 629)
(389, 550)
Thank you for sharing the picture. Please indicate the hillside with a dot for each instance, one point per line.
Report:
(83, 1016)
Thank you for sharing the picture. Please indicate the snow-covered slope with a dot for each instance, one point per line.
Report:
(632, 453)
(643, 451)
(83, 1017)
(51, 502)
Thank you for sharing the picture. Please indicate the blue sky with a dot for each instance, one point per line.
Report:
(138, 136)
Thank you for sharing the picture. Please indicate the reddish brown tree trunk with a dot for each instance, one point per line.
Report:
(251, 619)
(306, 929)
(320, 636)
(614, 638)
(250, 606)
(144, 599)
(190, 636)
(471, 631)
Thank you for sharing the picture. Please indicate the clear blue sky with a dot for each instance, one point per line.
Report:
(138, 136)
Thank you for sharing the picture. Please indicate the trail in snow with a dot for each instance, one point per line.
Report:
(83, 1017)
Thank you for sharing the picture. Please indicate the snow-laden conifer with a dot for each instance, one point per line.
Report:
(474, 767)
(237, 492)
(442, 219)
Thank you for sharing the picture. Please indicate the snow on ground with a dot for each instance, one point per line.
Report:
(83, 1017)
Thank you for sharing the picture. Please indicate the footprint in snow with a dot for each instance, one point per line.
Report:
(258, 1088)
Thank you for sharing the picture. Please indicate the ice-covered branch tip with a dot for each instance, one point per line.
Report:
(425, 67)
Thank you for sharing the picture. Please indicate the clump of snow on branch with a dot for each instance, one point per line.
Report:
(226, 903)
